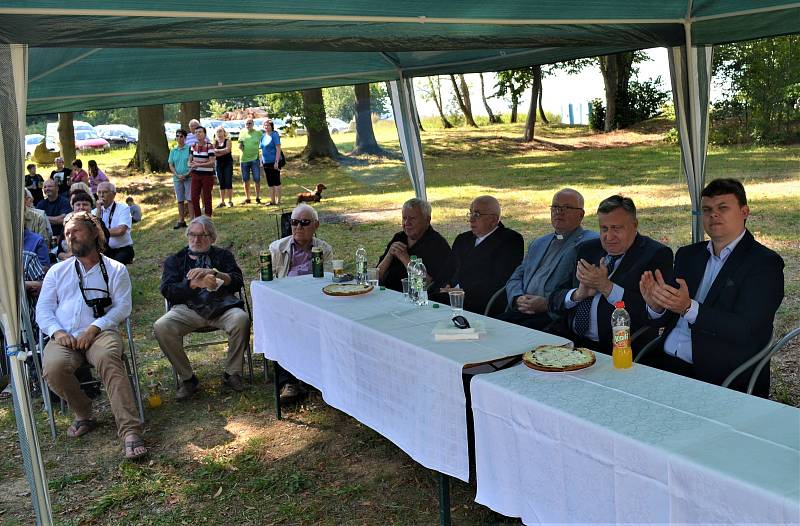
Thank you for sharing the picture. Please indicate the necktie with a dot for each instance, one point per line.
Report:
(583, 312)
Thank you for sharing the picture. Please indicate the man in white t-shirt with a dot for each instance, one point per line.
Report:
(117, 218)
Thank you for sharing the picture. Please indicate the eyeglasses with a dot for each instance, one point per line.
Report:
(477, 215)
(179, 135)
(560, 209)
(197, 236)
(300, 222)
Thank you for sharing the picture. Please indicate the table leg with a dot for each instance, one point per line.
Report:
(277, 391)
(444, 499)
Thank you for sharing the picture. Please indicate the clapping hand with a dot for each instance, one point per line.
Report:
(675, 299)
(648, 286)
(594, 277)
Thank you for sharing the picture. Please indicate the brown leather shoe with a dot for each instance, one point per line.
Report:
(234, 381)
(187, 389)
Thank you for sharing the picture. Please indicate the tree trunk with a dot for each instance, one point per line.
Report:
(365, 135)
(463, 100)
(436, 93)
(530, 122)
(319, 145)
(542, 116)
(492, 118)
(152, 150)
(66, 137)
(514, 106)
(189, 111)
(616, 70)
(419, 119)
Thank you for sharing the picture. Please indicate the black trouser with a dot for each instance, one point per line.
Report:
(540, 321)
(122, 254)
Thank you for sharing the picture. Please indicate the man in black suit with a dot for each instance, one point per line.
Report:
(482, 259)
(719, 310)
(608, 271)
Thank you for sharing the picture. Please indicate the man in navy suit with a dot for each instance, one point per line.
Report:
(608, 271)
(482, 258)
(720, 309)
(549, 264)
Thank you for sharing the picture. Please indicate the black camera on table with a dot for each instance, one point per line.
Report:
(99, 306)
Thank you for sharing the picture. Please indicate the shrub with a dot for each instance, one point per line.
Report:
(597, 114)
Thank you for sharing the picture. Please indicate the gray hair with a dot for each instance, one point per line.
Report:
(108, 185)
(609, 204)
(422, 205)
(302, 207)
(207, 224)
(28, 193)
(574, 192)
(490, 201)
(194, 121)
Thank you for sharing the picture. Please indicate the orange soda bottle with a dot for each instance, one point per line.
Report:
(622, 355)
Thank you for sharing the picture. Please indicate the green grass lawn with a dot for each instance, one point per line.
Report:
(224, 459)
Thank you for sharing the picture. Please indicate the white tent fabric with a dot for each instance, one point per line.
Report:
(13, 93)
(405, 116)
(690, 71)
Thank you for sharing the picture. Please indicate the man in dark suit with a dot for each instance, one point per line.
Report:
(549, 264)
(608, 271)
(720, 309)
(482, 259)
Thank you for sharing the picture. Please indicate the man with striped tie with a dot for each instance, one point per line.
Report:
(607, 271)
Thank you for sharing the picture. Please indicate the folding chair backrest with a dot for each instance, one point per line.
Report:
(286, 226)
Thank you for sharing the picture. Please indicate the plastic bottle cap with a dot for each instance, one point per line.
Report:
(435, 305)
(620, 305)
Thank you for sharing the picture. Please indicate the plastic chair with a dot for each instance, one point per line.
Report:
(500, 294)
(131, 368)
(760, 360)
(242, 294)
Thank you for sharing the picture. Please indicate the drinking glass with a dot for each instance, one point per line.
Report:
(372, 277)
(456, 300)
(338, 267)
(404, 281)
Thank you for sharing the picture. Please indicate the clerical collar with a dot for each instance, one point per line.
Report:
(558, 236)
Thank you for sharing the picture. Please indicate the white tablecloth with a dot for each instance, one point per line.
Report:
(374, 357)
(635, 446)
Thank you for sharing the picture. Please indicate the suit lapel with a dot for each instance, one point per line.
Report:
(734, 261)
(628, 261)
(695, 268)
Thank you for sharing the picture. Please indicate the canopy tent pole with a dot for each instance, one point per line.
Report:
(690, 72)
(13, 94)
(405, 117)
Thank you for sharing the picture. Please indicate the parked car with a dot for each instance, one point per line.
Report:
(51, 133)
(88, 140)
(233, 128)
(169, 130)
(337, 125)
(117, 134)
(31, 142)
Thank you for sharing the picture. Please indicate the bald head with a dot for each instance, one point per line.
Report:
(484, 215)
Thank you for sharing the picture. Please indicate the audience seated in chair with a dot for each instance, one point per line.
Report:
(549, 264)
(608, 271)
(482, 259)
(200, 284)
(117, 218)
(82, 302)
(291, 256)
(418, 238)
(719, 303)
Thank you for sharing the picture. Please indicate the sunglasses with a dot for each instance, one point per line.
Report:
(300, 222)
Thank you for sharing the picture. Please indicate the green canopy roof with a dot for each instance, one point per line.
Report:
(96, 54)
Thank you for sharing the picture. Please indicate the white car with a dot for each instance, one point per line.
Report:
(31, 142)
(337, 125)
(51, 133)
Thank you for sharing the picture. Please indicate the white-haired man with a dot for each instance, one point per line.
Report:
(117, 218)
(200, 283)
(82, 302)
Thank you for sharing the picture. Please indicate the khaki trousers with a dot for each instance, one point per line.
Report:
(105, 355)
(181, 320)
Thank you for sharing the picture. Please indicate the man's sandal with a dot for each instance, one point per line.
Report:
(79, 428)
(132, 444)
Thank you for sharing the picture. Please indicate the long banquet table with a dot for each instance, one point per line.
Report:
(374, 357)
(601, 445)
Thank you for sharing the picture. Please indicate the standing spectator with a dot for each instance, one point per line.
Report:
(249, 141)
(96, 176)
(34, 183)
(270, 155)
(54, 206)
(201, 163)
(136, 210)
(191, 138)
(61, 175)
(181, 180)
(222, 152)
(117, 218)
(79, 175)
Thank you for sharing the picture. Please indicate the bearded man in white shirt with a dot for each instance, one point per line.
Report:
(82, 302)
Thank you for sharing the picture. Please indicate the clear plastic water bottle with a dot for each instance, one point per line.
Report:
(621, 355)
(361, 264)
(422, 291)
(412, 279)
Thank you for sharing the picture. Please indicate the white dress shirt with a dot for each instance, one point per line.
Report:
(61, 305)
(617, 293)
(679, 340)
(120, 214)
(478, 240)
